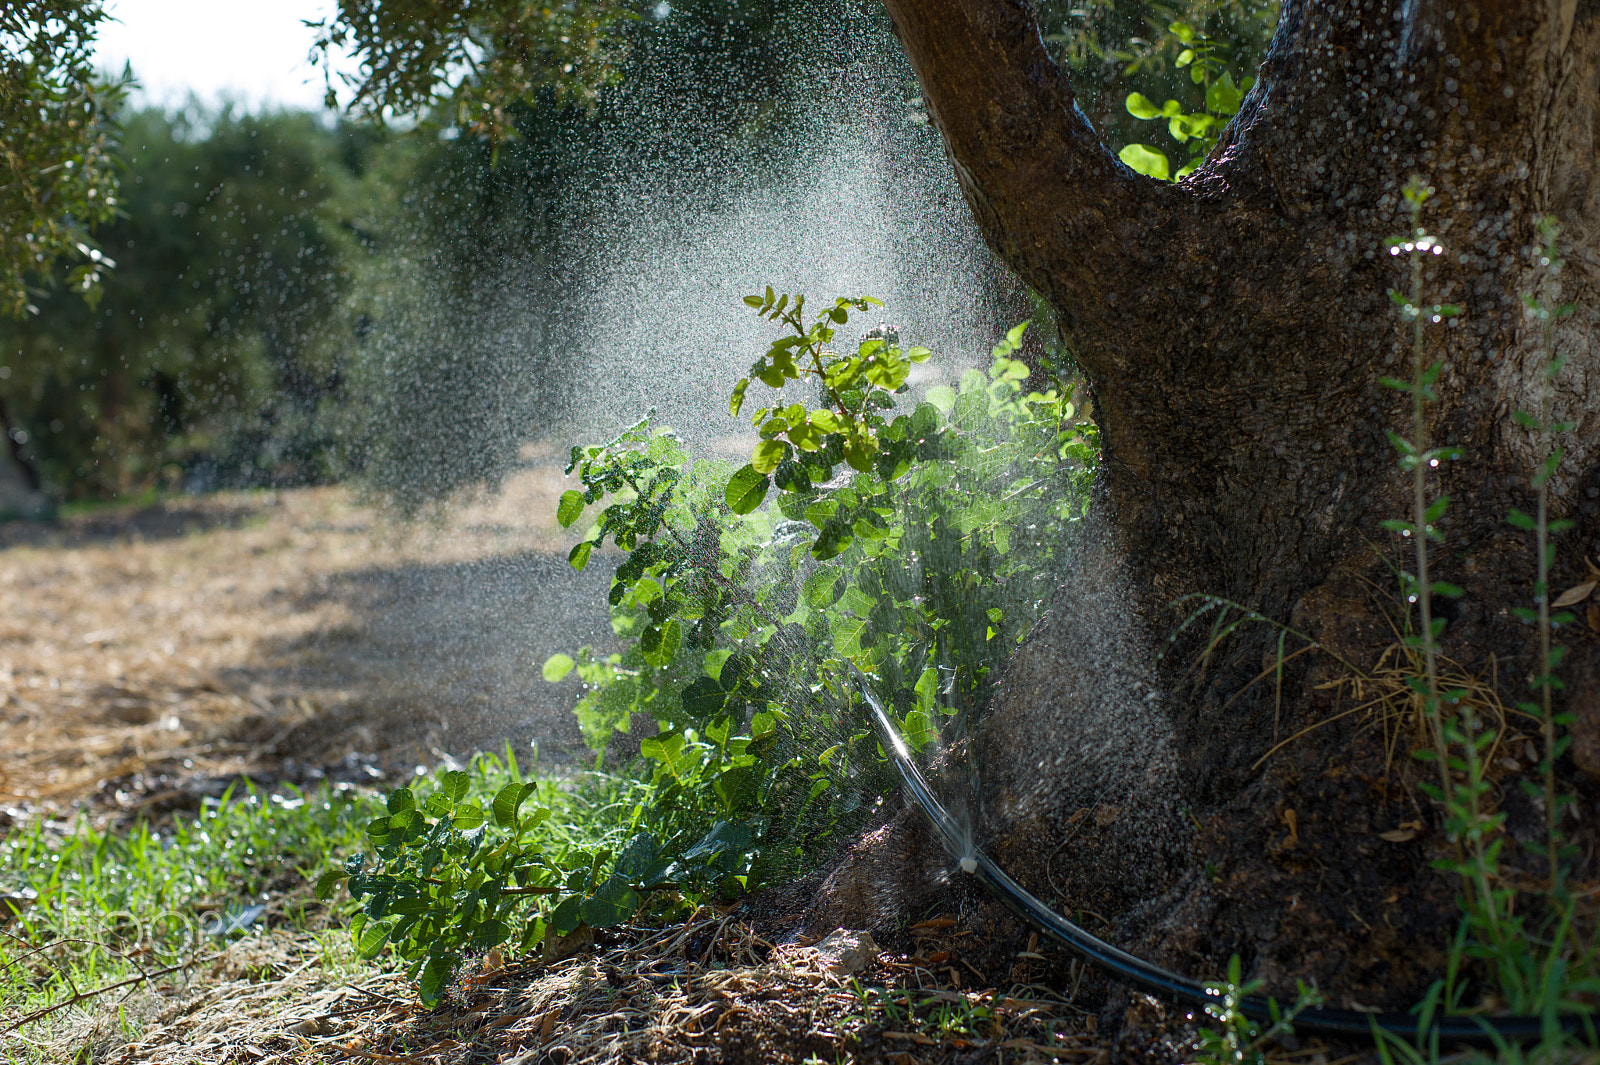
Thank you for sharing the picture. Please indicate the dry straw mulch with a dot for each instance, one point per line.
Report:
(710, 990)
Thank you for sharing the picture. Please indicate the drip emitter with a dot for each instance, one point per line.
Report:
(1118, 963)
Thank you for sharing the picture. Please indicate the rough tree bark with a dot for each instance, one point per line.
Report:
(1233, 329)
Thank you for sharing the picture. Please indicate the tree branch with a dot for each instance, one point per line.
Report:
(1050, 198)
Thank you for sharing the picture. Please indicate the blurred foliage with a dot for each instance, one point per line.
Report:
(215, 339)
(57, 176)
(469, 61)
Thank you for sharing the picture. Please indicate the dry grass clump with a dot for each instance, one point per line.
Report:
(1385, 698)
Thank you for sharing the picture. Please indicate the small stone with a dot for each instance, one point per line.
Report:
(844, 953)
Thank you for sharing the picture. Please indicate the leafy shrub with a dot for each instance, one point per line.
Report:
(914, 546)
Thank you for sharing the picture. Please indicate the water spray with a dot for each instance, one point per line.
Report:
(1147, 976)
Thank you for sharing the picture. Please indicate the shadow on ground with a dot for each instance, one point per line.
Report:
(159, 521)
(433, 659)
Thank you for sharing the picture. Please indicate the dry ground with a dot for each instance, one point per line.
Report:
(282, 632)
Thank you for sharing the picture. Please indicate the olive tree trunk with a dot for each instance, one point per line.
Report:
(1233, 329)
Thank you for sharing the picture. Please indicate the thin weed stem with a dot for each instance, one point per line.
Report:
(1419, 503)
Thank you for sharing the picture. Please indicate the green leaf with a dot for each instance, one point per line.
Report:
(664, 647)
(713, 662)
(570, 508)
(666, 749)
(724, 836)
(703, 697)
(858, 451)
(1520, 520)
(328, 881)
(746, 489)
(578, 557)
(567, 915)
(823, 588)
(639, 858)
(918, 730)
(1223, 96)
(792, 477)
(454, 785)
(370, 941)
(971, 409)
(557, 666)
(766, 457)
(468, 816)
(857, 602)
(508, 800)
(847, 636)
(805, 436)
(753, 301)
(400, 800)
(737, 788)
(1146, 160)
(1140, 106)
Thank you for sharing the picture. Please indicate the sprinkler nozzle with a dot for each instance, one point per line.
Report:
(969, 864)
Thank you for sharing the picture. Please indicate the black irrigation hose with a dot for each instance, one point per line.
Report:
(1338, 1024)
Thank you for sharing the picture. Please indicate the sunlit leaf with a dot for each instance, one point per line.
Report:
(766, 457)
(570, 508)
(1146, 160)
(746, 490)
(557, 666)
(1140, 106)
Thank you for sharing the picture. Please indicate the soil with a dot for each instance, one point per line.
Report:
(286, 635)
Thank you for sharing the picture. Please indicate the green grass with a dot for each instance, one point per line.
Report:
(125, 904)
(116, 905)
